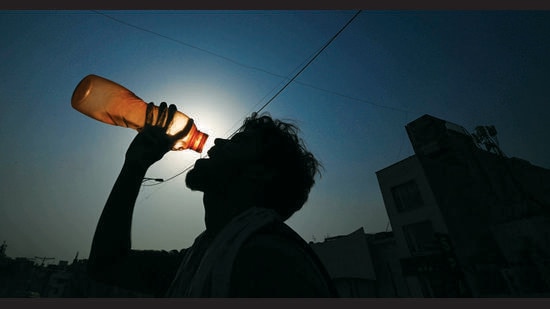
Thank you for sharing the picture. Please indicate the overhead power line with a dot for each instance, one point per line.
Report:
(247, 65)
(310, 61)
(284, 87)
(187, 44)
(307, 63)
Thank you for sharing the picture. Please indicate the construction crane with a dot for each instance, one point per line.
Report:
(3, 249)
(43, 258)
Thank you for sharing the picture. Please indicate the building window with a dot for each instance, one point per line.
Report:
(420, 237)
(407, 196)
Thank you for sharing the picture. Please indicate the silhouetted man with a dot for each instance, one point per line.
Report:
(251, 184)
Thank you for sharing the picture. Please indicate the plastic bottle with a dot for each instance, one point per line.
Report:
(111, 103)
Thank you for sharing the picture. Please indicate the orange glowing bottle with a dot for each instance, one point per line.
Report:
(111, 103)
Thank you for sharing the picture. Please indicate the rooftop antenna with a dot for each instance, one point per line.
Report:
(486, 137)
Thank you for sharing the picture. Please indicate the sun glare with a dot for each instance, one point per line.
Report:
(213, 110)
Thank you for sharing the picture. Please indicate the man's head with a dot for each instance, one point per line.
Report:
(265, 163)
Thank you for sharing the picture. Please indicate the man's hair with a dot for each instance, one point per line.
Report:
(285, 154)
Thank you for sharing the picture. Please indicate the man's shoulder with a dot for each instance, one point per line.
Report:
(277, 240)
(275, 263)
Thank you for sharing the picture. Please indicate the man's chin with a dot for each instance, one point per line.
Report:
(207, 175)
(199, 176)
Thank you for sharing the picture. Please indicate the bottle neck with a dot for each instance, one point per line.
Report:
(193, 139)
(197, 139)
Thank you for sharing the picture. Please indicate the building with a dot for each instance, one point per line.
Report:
(18, 277)
(363, 265)
(467, 221)
(22, 277)
(348, 261)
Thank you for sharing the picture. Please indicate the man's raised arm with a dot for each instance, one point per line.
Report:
(111, 259)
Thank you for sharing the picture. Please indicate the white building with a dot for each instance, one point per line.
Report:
(466, 222)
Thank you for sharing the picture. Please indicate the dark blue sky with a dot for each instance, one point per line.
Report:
(352, 103)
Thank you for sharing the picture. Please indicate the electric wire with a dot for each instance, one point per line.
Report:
(187, 44)
(310, 61)
(283, 88)
(170, 178)
(231, 129)
(243, 64)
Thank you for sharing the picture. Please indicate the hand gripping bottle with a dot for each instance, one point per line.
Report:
(111, 103)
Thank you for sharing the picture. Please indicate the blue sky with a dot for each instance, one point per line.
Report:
(386, 69)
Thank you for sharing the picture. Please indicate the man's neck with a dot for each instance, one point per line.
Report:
(218, 214)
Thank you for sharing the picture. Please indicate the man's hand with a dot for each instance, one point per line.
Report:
(152, 142)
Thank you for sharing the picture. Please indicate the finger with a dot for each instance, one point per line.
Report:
(161, 118)
(185, 130)
(149, 114)
(170, 116)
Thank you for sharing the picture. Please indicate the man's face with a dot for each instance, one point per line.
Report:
(226, 162)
